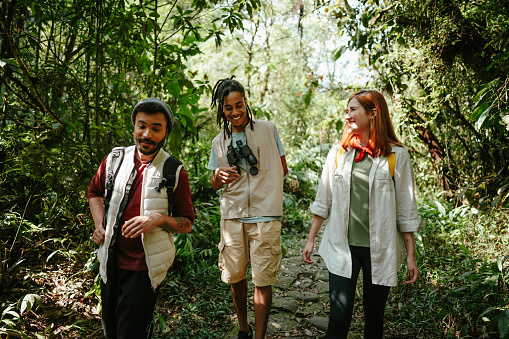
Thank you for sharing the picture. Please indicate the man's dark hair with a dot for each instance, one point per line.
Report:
(221, 90)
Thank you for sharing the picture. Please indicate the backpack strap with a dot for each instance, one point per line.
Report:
(117, 156)
(391, 159)
(341, 150)
(171, 171)
(392, 163)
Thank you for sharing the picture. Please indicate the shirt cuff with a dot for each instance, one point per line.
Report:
(412, 225)
(319, 209)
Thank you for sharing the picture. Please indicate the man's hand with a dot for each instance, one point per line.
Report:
(98, 236)
(144, 223)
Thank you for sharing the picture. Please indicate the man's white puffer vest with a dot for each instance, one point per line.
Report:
(158, 243)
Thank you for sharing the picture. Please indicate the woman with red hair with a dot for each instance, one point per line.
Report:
(372, 214)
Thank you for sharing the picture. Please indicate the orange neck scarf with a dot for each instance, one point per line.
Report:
(363, 152)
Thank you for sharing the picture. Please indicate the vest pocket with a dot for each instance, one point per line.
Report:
(152, 181)
(257, 154)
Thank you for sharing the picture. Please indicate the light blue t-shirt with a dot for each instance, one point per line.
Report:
(214, 164)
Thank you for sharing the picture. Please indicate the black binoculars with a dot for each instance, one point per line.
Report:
(235, 154)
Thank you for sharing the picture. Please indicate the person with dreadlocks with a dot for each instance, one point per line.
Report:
(250, 203)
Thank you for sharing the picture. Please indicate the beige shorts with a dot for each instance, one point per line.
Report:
(258, 241)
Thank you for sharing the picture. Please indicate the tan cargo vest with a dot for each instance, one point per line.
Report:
(259, 195)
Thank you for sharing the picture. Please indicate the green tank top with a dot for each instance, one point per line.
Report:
(358, 222)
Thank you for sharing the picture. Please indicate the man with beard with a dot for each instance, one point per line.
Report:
(134, 227)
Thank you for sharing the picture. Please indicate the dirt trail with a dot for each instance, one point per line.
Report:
(300, 303)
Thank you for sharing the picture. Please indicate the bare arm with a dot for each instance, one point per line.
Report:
(176, 224)
(144, 223)
(413, 272)
(285, 167)
(97, 210)
(308, 249)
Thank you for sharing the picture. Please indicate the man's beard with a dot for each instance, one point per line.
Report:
(151, 151)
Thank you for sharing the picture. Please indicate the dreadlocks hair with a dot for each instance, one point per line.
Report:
(221, 90)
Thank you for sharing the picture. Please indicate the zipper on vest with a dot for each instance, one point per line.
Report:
(249, 193)
(248, 186)
(142, 209)
(258, 157)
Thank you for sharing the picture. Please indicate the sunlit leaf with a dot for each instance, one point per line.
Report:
(441, 208)
(482, 118)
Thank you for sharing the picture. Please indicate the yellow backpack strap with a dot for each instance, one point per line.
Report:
(341, 150)
(392, 163)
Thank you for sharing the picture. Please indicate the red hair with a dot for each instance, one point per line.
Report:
(381, 132)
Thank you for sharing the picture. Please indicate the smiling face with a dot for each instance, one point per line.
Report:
(358, 120)
(149, 134)
(234, 109)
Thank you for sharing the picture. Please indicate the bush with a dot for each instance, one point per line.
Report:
(464, 275)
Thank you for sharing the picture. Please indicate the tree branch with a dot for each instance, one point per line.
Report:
(26, 73)
(434, 146)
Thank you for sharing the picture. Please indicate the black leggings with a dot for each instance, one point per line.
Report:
(342, 295)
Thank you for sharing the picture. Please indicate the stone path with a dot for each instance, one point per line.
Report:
(301, 297)
(300, 302)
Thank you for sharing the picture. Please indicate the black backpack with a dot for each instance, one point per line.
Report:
(171, 165)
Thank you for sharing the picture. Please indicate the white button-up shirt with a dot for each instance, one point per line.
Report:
(392, 211)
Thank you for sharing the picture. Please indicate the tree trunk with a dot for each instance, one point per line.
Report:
(435, 149)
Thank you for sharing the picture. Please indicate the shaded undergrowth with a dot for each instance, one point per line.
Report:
(462, 291)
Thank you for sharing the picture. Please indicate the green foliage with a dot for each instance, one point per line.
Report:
(29, 301)
(198, 152)
(443, 64)
(11, 321)
(300, 185)
(194, 302)
(457, 293)
(70, 73)
(202, 241)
